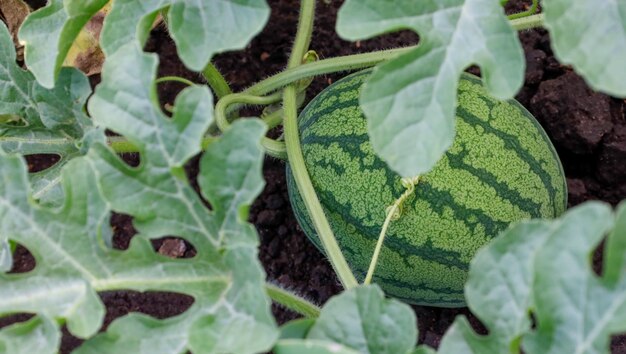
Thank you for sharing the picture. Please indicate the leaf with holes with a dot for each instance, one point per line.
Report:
(169, 206)
(200, 29)
(48, 35)
(516, 275)
(362, 319)
(74, 264)
(410, 100)
(43, 121)
(590, 35)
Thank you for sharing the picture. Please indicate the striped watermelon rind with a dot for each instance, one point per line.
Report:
(501, 168)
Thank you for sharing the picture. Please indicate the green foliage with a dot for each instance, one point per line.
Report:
(44, 120)
(200, 29)
(49, 33)
(543, 267)
(411, 134)
(578, 28)
(61, 215)
(69, 244)
(382, 326)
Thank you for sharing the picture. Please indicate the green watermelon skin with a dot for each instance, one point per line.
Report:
(501, 168)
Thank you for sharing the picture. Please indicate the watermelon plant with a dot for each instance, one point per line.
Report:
(403, 174)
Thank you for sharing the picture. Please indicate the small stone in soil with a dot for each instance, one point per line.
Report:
(173, 248)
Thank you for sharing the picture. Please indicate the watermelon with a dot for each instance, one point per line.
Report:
(501, 168)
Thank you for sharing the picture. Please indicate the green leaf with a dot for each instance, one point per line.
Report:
(200, 29)
(37, 335)
(582, 312)
(543, 267)
(236, 317)
(361, 318)
(50, 121)
(49, 32)
(614, 255)
(591, 36)
(296, 346)
(410, 100)
(296, 329)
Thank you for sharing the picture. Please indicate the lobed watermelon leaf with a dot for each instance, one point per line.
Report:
(200, 29)
(49, 32)
(542, 267)
(41, 120)
(230, 311)
(294, 346)
(591, 36)
(410, 100)
(361, 318)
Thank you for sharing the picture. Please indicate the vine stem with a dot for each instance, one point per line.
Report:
(272, 147)
(121, 145)
(216, 81)
(182, 80)
(531, 11)
(294, 151)
(528, 22)
(393, 213)
(325, 66)
(292, 301)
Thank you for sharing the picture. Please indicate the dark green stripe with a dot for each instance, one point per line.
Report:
(511, 142)
(439, 199)
(502, 189)
(393, 242)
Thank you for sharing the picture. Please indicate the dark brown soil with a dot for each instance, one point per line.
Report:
(587, 128)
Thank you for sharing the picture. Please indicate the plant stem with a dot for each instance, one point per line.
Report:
(531, 11)
(120, 145)
(303, 34)
(175, 79)
(292, 301)
(393, 213)
(527, 22)
(296, 160)
(216, 81)
(273, 119)
(346, 63)
(305, 186)
(224, 103)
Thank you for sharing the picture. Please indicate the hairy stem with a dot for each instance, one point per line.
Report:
(528, 22)
(182, 80)
(216, 81)
(273, 119)
(222, 105)
(120, 145)
(296, 160)
(531, 11)
(292, 301)
(272, 147)
(326, 66)
(393, 213)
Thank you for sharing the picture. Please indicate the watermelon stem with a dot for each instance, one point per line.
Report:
(531, 11)
(393, 212)
(294, 151)
(216, 81)
(528, 22)
(292, 301)
(272, 147)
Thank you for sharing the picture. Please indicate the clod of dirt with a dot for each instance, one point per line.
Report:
(534, 66)
(611, 167)
(577, 191)
(577, 121)
(173, 248)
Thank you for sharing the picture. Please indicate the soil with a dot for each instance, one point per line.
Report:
(587, 128)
